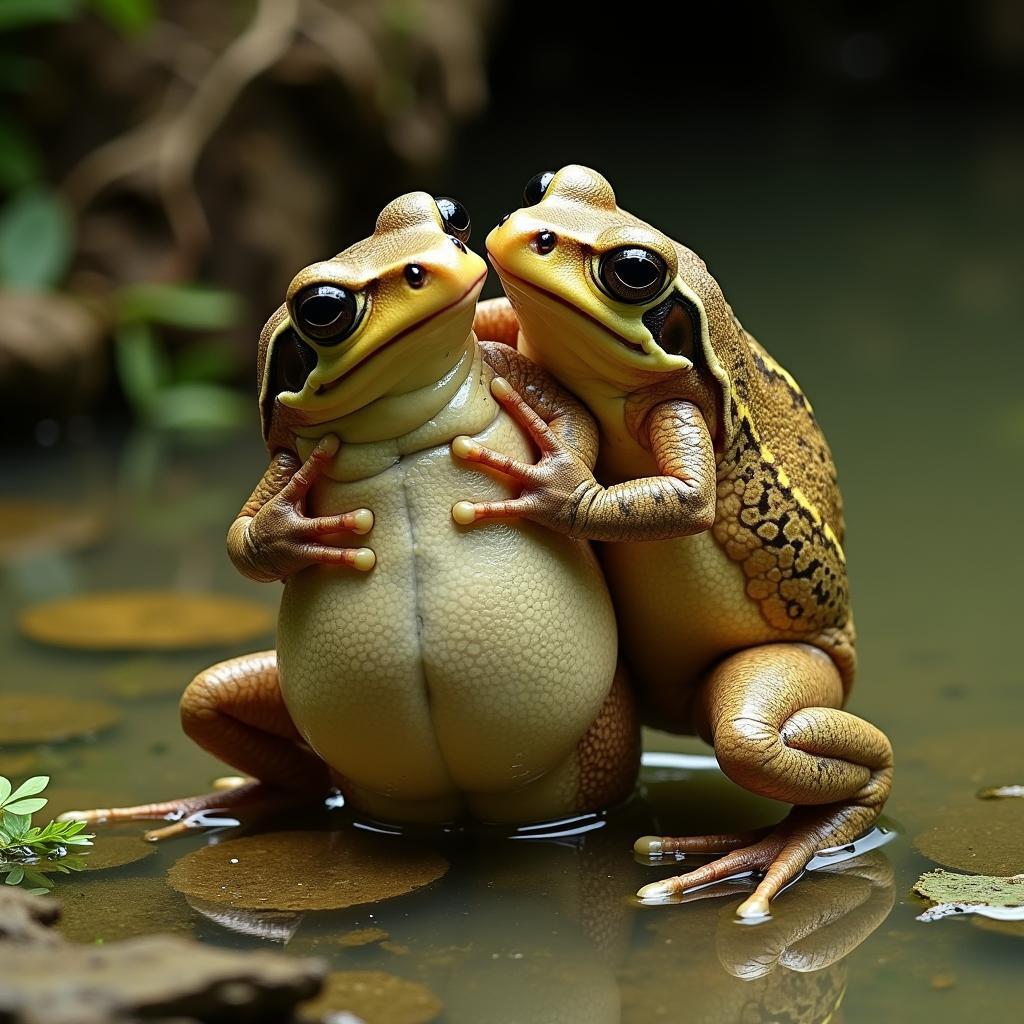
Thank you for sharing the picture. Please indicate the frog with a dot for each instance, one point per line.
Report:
(716, 509)
(430, 672)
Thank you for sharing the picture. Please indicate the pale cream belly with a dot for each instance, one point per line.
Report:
(469, 661)
(681, 605)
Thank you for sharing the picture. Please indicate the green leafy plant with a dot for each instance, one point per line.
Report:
(23, 844)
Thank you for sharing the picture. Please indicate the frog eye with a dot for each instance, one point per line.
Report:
(455, 217)
(325, 313)
(536, 187)
(632, 274)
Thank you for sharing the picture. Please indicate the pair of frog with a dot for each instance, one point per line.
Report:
(476, 661)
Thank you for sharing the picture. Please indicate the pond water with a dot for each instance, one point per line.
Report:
(904, 327)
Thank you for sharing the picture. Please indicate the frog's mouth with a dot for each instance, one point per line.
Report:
(529, 285)
(405, 332)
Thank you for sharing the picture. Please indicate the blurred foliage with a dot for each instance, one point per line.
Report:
(148, 145)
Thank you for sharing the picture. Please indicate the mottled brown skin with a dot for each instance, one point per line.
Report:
(717, 492)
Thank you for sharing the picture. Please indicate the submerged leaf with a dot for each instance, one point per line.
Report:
(305, 871)
(42, 718)
(141, 620)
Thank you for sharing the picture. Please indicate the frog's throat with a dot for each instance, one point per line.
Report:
(395, 415)
(472, 289)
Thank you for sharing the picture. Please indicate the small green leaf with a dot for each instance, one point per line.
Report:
(178, 305)
(38, 891)
(35, 239)
(30, 806)
(31, 786)
(5, 790)
(16, 824)
(14, 876)
(18, 13)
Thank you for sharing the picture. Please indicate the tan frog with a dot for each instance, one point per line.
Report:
(435, 673)
(717, 490)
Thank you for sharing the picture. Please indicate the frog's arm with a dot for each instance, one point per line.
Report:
(496, 320)
(560, 491)
(272, 539)
(561, 411)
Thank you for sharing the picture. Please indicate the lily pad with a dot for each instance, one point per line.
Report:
(374, 997)
(145, 620)
(984, 837)
(109, 852)
(97, 908)
(43, 718)
(304, 871)
(29, 528)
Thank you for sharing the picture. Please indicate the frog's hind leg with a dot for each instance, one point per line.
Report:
(235, 711)
(772, 713)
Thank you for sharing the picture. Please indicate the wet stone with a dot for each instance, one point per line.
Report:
(43, 718)
(155, 977)
(373, 997)
(304, 871)
(145, 620)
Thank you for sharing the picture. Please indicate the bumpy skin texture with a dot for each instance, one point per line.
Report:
(717, 489)
(439, 672)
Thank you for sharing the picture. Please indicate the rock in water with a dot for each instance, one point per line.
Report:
(156, 977)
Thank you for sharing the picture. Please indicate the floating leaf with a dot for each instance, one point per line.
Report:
(31, 528)
(41, 718)
(145, 620)
(35, 239)
(304, 871)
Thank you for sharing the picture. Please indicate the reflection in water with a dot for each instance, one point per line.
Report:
(538, 925)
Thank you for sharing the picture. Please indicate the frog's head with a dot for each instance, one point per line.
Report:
(390, 314)
(605, 299)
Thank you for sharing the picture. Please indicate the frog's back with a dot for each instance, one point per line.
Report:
(779, 511)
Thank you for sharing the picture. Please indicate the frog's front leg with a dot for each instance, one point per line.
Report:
(235, 711)
(272, 538)
(495, 320)
(561, 492)
(773, 715)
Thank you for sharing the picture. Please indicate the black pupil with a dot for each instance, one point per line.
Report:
(414, 274)
(536, 187)
(636, 269)
(455, 217)
(323, 310)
